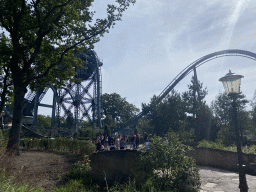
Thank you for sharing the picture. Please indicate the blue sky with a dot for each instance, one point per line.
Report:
(157, 39)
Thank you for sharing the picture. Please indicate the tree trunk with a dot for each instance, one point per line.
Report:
(14, 138)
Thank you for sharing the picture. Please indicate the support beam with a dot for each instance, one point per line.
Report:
(53, 109)
(36, 108)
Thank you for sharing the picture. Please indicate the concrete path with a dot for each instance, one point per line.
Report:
(219, 180)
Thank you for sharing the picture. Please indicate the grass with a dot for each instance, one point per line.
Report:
(8, 183)
(218, 145)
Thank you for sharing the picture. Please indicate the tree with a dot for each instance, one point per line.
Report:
(44, 121)
(167, 115)
(107, 130)
(253, 123)
(253, 101)
(172, 113)
(109, 121)
(42, 38)
(118, 108)
(144, 126)
(151, 111)
(253, 116)
(223, 113)
(196, 105)
(194, 97)
(6, 81)
(204, 127)
(70, 120)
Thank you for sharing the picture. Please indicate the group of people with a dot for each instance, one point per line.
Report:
(108, 142)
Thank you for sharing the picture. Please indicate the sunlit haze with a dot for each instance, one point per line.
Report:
(157, 39)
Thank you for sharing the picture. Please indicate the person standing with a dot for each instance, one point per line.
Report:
(117, 142)
(122, 143)
(134, 141)
(105, 142)
(137, 140)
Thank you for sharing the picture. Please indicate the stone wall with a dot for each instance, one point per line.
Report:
(122, 165)
(117, 165)
(220, 158)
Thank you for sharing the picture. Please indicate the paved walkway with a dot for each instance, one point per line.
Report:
(219, 180)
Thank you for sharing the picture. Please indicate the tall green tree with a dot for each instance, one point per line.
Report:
(144, 125)
(222, 111)
(42, 37)
(194, 97)
(109, 121)
(152, 112)
(70, 120)
(168, 115)
(196, 105)
(253, 115)
(6, 85)
(118, 108)
(44, 121)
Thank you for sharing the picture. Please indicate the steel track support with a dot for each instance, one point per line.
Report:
(36, 108)
(53, 109)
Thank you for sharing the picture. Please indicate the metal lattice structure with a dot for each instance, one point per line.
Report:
(80, 100)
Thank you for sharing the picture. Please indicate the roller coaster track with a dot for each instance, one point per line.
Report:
(185, 72)
(24, 128)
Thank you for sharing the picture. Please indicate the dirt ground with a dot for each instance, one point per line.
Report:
(42, 169)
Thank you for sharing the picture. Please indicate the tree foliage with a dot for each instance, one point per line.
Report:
(167, 115)
(194, 97)
(117, 108)
(172, 169)
(40, 40)
(144, 126)
(44, 121)
(196, 105)
(186, 114)
(223, 113)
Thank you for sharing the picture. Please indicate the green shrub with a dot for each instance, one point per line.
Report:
(5, 185)
(130, 186)
(219, 145)
(86, 147)
(2, 143)
(81, 170)
(71, 186)
(28, 143)
(75, 146)
(172, 169)
(210, 144)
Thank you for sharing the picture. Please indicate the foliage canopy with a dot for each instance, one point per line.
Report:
(117, 109)
(39, 41)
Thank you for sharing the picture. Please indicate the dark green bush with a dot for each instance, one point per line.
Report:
(171, 169)
(2, 143)
(72, 186)
(75, 146)
(81, 170)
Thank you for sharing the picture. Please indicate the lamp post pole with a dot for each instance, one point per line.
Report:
(231, 83)
(242, 178)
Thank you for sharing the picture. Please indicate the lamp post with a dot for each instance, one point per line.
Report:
(231, 83)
